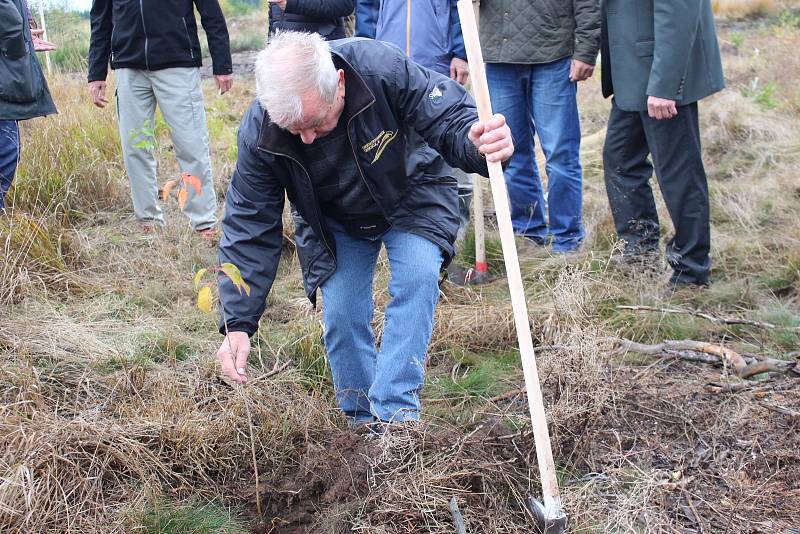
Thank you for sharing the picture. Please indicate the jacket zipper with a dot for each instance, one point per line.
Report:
(308, 177)
(316, 204)
(113, 29)
(144, 30)
(188, 39)
(358, 166)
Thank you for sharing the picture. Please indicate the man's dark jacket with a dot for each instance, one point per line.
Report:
(662, 48)
(539, 31)
(398, 104)
(325, 17)
(155, 34)
(23, 89)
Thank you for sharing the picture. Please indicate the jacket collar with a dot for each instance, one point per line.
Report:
(358, 97)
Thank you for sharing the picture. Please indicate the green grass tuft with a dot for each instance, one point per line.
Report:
(189, 518)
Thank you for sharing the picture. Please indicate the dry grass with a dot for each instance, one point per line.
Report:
(112, 415)
(742, 9)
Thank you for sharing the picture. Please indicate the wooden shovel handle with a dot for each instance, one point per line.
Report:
(544, 453)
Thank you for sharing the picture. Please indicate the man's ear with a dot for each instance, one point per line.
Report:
(340, 74)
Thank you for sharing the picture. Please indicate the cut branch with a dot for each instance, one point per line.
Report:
(699, 351)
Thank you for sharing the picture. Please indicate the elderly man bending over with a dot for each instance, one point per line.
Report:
(359, 138)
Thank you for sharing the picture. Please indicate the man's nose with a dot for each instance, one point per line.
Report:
(308, 136)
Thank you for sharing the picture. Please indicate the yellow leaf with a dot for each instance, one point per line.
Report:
(183, 196)
(204, 299)
(232, 272)
(168, 187)
(199, 277)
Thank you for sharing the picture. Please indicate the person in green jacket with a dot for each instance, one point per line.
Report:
(659, 57)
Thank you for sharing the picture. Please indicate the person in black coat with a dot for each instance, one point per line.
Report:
(325, 17)
(23, 89)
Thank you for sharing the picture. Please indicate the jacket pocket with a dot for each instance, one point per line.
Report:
(644, 48)
(20, 79)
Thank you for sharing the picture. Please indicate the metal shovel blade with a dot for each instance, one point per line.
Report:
(557, 524)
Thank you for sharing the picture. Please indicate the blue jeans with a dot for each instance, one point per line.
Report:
(540, 100)
(9, 156)
(380, 384)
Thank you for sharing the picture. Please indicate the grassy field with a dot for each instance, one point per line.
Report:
(113, 418)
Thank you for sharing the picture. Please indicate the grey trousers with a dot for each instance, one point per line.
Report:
(177, 93)
(674, 145)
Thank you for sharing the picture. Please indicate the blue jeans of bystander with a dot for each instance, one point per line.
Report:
(9, 156)
(541, 100)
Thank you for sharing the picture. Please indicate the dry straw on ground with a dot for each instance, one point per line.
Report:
(111, 409)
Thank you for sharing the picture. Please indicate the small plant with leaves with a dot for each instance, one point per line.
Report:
(145, 137)
(205, 293)
(183, 184)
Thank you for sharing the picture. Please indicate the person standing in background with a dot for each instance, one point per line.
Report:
(535, 52)
(23, 89)
(325, 17)
(659, 60)
(429, 32)
(155, 50)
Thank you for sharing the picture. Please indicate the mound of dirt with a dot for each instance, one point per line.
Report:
(325, 475)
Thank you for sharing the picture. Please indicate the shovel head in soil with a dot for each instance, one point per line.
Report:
(552, 521)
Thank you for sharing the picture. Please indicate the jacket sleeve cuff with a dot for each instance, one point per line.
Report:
(587, 57)
(222, 71)
(97, 76)
(238, 325)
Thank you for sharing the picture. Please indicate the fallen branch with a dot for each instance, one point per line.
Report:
(709, 317)
(507, 395)
(699, 351)
(276, 369)
(725, 387)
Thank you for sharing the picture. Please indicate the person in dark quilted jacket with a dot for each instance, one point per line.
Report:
(535, 52)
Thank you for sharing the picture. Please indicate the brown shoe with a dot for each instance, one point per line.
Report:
(208, 234)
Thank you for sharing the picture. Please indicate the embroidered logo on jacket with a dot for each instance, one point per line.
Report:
(436, 95)
(380, 143)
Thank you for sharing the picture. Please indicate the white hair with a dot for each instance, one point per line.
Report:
(291, 65)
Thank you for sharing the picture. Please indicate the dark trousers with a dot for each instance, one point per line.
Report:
(675, 148)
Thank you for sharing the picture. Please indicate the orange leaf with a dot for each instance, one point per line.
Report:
(196, 184)
(168, 187)
(183, 196)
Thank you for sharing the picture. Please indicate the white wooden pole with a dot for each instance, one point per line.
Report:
(44, 36)
(481, 265)
(544, 453)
